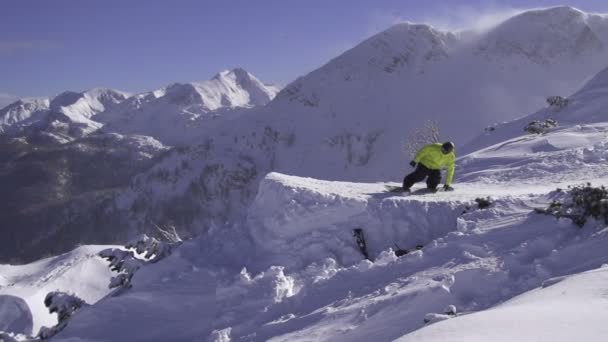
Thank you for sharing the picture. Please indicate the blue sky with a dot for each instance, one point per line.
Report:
(50, 46)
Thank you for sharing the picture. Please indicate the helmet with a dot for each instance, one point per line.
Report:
(447, 147)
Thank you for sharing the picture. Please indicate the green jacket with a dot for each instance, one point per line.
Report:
(432, 157)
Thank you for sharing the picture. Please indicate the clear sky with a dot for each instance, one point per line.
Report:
(136, 45)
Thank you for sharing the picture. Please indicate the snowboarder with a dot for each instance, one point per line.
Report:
(428, 163)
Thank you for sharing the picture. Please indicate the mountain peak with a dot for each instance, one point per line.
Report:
(183, 94)
(238, 78)
(237, 74)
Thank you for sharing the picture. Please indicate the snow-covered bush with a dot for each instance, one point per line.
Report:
(558, 102)
(65, 305)
(579, 203)
(539, 127)
(139, 251)
(427, 134)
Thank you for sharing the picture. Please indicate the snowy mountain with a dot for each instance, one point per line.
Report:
(58, 166)
(350, 119)
(175, 114)
(291, 271)
(547, 36)
(186, 112)
(58, 120)
(22, 110)
(271, 255)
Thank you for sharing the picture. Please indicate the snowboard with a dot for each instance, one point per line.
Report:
(360, 239)
(399, 190)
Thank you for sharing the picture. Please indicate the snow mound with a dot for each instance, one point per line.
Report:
(15, 315)
(296, 221)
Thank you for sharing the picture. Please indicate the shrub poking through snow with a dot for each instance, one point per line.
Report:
(579, 203)
(483, 203)
(557, 102)
(65, 305)
(540, 127)
(428, 134)
(141, 250)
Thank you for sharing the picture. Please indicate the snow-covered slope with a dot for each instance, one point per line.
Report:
(291, 271)
(276, 260)
(565, 309)
(79, 272)
(184, 112)
(587, 105)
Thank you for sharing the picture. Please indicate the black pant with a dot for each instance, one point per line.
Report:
(421, 172)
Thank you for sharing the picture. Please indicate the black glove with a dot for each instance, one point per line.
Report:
(413, 163)
(447, 188)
